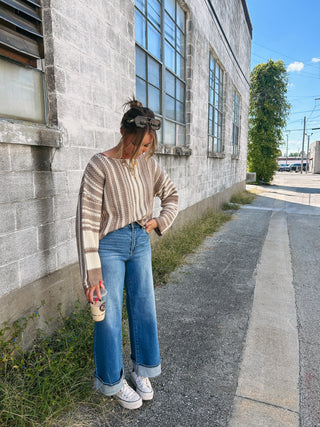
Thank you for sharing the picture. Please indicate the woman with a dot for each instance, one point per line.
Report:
(114, 219)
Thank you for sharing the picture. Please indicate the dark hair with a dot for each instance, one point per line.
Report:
(136, 134)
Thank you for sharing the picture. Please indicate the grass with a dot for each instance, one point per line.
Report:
(50, 380)
(173, 248)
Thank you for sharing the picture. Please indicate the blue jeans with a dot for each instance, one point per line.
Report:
(126, 260)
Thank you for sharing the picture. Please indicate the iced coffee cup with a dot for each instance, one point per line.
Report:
(98, 307)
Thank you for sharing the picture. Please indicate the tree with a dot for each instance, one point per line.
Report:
(268, 111)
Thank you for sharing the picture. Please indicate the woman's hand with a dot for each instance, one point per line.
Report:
(89, 292)
(150, 225)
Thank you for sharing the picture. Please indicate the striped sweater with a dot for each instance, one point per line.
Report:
(111, 197)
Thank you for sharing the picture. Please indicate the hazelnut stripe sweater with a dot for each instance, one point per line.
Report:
(110, 197)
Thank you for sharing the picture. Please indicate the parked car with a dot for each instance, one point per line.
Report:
(296, 167)
(284, 168)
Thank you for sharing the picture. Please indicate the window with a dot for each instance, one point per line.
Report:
(215, 107)
(235, 123)
(21, 51)
(160, 64)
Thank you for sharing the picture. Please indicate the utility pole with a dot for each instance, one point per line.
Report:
(307, 164)
(302, 152)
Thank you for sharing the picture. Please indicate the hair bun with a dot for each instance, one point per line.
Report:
(134, 103)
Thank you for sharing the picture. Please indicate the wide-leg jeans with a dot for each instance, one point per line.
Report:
(125, 256)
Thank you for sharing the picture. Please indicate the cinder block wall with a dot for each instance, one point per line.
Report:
(90, 73)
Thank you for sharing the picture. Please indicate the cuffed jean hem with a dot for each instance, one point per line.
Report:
(107, 390)
(147, 371)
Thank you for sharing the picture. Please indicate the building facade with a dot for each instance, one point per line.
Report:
(314, 163)
(66, 69)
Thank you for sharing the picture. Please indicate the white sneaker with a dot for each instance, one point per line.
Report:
(128, 398)
(143, 386)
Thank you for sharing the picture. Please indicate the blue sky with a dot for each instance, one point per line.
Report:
(289, 30)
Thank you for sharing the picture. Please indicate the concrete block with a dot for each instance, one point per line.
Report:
(7, 219)
(29, 157)
(46, 235)
(66, 57)
(79, 136)
(63, 230)
(38, 265)
(104, 139)
(66, 159)
(67, 253)
(9, 278)
(16, 186)
(34, 212)
(65, 206)
(18, 245)
(92, 70)
(55, 79)
(4, 158)
(68, 108)
(47, 184)
(74, 181)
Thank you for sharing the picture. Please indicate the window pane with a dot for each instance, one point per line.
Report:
(179, 90)
(210, 130)
(154, 41)
(169, 29)
(140, 4)
(170, 79)
(153, 72)
(140, 29)
(181, 134)
(180, 66)
(154, 99)
(170, 113)
(180, 42)
(210, 112)
(169, 56)
(179, 112)
(170, 7)
(169, 133)
(211, 97)
(21, 92)
(180, 18)
(154, 12)
(140, 63)
(141, 91)
(211, 63)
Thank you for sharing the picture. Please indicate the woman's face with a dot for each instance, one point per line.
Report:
(145, 145)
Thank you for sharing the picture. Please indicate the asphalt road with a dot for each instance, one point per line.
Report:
(239, 322)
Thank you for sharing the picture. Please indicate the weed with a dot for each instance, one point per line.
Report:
(243, 197)
(230, 206)
(173, 248)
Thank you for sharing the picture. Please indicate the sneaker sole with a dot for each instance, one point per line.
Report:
(130, 405)
(142, 394)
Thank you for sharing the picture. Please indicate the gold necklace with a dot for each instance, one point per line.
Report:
(132, 169)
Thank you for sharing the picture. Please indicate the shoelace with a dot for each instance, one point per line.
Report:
(143, 381)
(126, 391)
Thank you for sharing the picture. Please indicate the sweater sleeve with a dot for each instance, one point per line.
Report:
(88, 223)
(168, 194)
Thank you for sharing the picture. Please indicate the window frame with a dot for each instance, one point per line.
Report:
(168, 119)
(216, 100)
